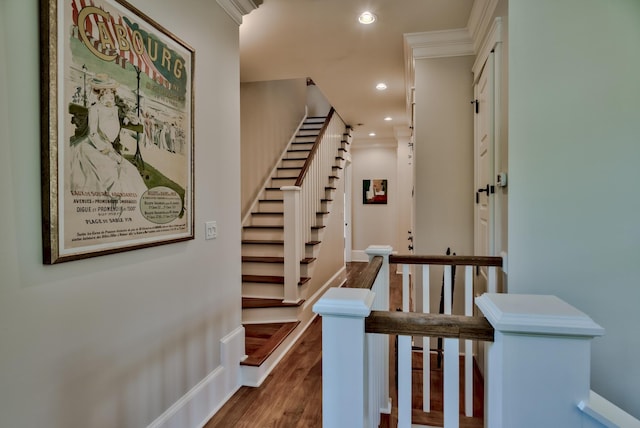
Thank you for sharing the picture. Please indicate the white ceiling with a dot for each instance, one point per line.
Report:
(322, 40)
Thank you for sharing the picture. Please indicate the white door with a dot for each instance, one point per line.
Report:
(484, 168)
(347, 211)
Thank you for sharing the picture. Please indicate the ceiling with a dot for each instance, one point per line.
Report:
(322, 40)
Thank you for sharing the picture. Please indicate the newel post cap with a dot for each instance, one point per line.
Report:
(379, 250)
(536, 314)
(348, 302)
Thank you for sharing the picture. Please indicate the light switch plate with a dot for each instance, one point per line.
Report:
(210, 230)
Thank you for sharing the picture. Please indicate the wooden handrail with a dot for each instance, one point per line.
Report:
(314, 149)
(368, 276)
(410, 259)
(432, 325)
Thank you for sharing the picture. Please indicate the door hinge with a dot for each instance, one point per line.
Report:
(477, 105)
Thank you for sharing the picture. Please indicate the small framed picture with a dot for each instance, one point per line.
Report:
(374, 191)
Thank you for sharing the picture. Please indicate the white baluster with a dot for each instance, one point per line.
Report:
(451, 393)
(426, 344)
(492, 281)
(404, 381)
(468, 344)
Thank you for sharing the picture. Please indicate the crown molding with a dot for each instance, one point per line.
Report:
(480, 19)
(236, 9)
(438, 44)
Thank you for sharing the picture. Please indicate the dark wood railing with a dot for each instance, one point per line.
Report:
(431, 325)
(314, 149)
(410, 259)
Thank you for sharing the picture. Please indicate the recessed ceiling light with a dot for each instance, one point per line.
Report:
(367, 18)
(388, 118)
(372, 134)
(381, 86)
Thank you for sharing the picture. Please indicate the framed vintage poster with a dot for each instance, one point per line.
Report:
(374, 191)
(117, 130)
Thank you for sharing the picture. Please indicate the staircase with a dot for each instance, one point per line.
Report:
(268, 318)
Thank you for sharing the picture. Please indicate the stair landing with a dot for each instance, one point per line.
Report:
(262, 339)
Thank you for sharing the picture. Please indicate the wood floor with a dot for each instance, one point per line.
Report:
(291, 396)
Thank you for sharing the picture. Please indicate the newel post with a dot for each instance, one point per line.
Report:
(344, 395)
(292, 242)
(538, 367)
(379, 343)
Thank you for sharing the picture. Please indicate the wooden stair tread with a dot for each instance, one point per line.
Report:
(262, 227)
(263, 259)
(263, 241)
(266, 279)
(275, 201)
(257, 302)
(273, 242)
(262, 339)
(259, 213)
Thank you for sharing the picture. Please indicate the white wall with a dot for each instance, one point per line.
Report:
(444, 193)
(114, 341)
(270, 113)
(574, 155)
(373, 224)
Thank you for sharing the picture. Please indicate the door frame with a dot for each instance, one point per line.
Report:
(491, 50)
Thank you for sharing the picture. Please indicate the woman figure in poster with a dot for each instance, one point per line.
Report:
(95, 163)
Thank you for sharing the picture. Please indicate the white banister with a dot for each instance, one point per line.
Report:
(293, 247)
(344, 363)
(607, 414)
(538, 367)
(426, 343)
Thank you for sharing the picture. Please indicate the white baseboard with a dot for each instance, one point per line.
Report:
(197, 406)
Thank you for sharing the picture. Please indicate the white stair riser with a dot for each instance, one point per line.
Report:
(308, 132)
(271, 206)
(297, 163)
(290, 181)
(308, 145)
(289, 173)
(263, 250)
(271, 269)
(296, 155)
(258, 268)
(262, 291)
(288, 314)
(263, 234)
(272, 194)
(267, 220)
